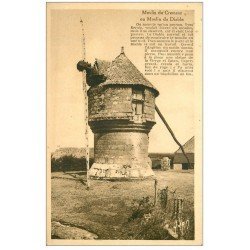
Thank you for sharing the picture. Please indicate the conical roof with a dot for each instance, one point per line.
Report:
(123, 72)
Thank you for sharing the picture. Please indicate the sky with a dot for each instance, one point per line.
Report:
(106, 31)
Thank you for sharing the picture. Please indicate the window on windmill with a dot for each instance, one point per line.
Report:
(138, 101)
(138, 108)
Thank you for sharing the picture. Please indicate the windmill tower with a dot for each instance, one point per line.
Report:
(121, 108)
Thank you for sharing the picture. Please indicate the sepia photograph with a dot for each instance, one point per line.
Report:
(124, 123)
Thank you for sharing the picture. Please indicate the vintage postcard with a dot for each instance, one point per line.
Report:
(124, 123)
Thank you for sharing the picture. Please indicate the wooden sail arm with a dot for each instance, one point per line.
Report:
(172, 133)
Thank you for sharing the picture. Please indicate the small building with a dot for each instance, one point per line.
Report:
(180, 162)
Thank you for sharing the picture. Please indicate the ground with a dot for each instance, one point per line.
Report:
(104, 209)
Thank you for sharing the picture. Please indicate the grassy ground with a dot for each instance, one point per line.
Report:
(106, 207)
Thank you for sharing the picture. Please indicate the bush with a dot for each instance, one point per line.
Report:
(149, 222)
(141, 208)
(69, 163)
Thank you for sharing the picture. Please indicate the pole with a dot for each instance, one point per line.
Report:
(172, 133)
(84, 87)
(155, 198)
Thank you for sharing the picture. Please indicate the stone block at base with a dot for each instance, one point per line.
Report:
(118, 171)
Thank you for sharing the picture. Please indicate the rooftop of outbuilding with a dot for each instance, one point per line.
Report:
(188, 146)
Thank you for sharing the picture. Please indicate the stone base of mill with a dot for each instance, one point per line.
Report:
(119, 171)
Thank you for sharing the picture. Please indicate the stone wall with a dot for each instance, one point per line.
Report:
(120, 140)
(177, 166)
(112, 102)
(109, 103)
(149, 105)
(126, 148)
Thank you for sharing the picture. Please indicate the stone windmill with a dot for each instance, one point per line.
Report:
(121, 107)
